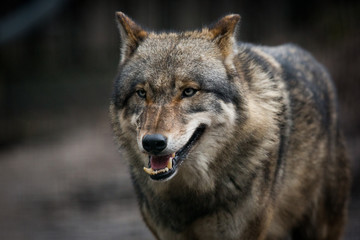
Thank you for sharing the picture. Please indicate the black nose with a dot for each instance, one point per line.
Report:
(154, 143)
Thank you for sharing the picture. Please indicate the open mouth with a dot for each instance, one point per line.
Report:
(164, 167)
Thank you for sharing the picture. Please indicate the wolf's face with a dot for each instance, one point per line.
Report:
(176, 98)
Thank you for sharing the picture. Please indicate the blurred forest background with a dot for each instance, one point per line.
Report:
(61, 175)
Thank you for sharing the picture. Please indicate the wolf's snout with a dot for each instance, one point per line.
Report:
(154, 143)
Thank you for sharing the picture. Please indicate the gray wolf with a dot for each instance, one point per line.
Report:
(228, 140)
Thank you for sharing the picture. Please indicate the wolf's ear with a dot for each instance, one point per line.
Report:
(131, 35)
(224, 33)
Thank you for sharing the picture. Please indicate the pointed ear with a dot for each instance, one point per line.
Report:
(131, 35)
(224, 33)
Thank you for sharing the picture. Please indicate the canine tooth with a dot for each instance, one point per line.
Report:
(169, 164)
(173, 155)
(149, 171)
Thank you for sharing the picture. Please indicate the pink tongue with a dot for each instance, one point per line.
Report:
(159, 162)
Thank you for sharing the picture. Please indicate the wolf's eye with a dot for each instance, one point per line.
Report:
(188, 92)
(141, 93)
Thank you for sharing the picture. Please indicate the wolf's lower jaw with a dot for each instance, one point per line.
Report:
(169, 165)
(173, 161)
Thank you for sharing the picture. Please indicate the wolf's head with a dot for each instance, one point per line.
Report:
(176, 98)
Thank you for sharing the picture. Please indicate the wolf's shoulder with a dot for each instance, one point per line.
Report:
(295, 62)
(288, 55)
(303, 75)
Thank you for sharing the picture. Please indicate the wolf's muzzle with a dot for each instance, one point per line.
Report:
(163, 167)
(154, 143)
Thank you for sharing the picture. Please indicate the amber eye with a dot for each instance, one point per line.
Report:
(188, 92)
(141, 93)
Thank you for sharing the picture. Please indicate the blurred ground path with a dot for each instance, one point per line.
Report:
(75, 186)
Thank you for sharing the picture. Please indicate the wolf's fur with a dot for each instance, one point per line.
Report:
(271, 162)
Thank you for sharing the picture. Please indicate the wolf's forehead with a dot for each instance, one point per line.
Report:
(180, 58)
(167, 50)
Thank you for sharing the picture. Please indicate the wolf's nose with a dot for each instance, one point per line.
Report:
(154, 143)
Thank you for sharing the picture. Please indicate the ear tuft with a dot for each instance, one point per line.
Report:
(224, 33)
(131, 35)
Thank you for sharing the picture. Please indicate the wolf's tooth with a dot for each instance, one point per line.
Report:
(169, 164)
(149, 171)
(173, 155)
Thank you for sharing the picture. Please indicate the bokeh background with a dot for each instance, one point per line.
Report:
(61, 175)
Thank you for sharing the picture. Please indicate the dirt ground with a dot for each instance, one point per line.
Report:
(75, 185)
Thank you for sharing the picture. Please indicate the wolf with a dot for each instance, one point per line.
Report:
(226, 139)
